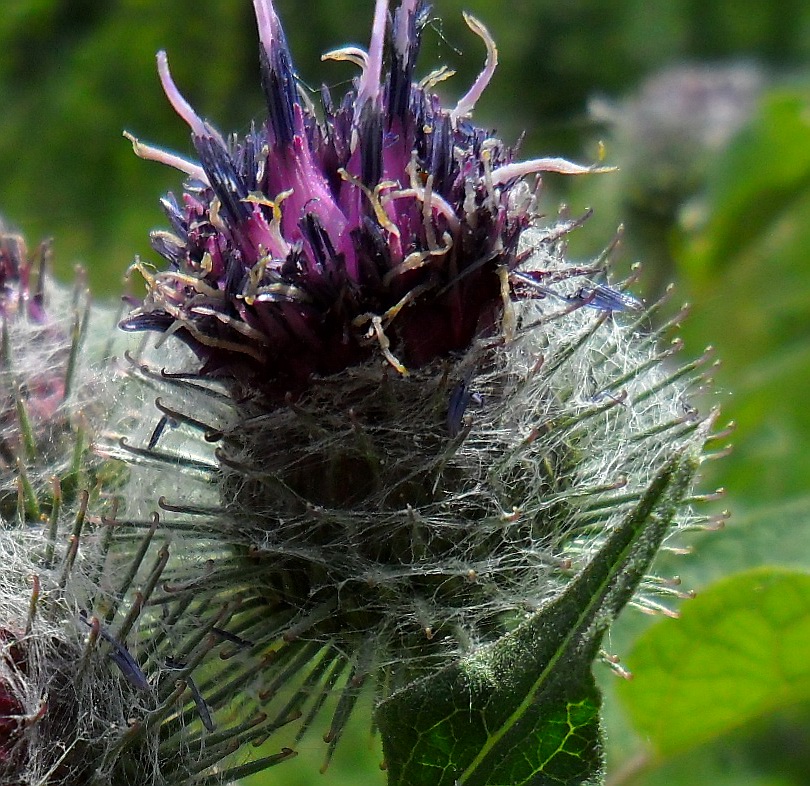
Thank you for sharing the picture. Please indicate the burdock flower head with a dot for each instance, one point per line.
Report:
(53, 728)
(408, 426)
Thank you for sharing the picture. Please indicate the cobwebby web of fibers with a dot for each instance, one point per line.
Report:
(349, 536)
(64, 707)
(73, 708)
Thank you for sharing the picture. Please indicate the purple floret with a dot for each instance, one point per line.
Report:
(386, 225)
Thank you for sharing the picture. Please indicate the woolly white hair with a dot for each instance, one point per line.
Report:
(367, 530)
(356, 533)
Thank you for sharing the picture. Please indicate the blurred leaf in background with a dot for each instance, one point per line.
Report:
(742, 250)
(739, 652)
(746, 261)
(719, 696)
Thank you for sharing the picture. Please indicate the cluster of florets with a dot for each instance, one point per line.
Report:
(391, 224)
(22, 283)
(22, 279)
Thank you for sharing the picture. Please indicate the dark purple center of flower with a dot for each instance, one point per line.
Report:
(386, 225)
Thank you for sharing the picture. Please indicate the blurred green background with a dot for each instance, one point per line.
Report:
(704, 107)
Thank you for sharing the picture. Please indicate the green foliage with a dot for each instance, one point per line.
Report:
(746, 264)
(722, 693)
(738, 652)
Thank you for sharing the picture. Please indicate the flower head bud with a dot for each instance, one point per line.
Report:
(61, 708)
(40, 337)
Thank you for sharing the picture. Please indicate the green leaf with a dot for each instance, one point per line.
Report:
(747, 272)
(773, 534)
(525, 710)
(763, 172)
(739, 651)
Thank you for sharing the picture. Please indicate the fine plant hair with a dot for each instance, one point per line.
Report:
(63, 711)
(352, 533)
(368, 422)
